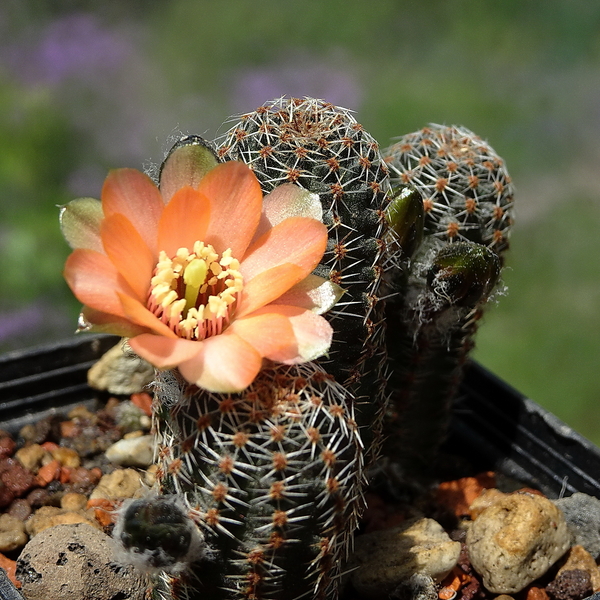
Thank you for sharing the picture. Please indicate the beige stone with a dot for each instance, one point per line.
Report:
(50, 516)
(66, 457)
(12, 533)
(31, 456)
(73, 501)
(134, 452)
(122, 483)
(387, 558)
(484, 500)
(120, 372)
(516, 540)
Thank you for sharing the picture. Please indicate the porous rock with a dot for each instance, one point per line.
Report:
(516, 540)
(387, 558)
(582, 513)
(75, 562)
(120, 371)
(578, 558)
(570, 585)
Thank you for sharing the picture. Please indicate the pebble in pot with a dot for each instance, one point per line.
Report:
(516, 540)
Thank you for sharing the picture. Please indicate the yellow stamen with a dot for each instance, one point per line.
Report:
(195, 293)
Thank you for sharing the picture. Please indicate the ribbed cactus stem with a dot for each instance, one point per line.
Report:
(437, 302)
(273, 478)
(324, 149)
(436, 336)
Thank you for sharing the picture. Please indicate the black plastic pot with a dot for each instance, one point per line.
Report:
(493, 425)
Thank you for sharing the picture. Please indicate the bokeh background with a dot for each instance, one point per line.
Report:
(86, 86)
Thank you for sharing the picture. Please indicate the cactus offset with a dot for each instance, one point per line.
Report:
(433, 337)
(467, 192)
(272, 475)
(322, 148)
(467, 201)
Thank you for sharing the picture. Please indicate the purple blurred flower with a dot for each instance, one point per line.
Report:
(21, 321)
(332, 81)
(74, 46)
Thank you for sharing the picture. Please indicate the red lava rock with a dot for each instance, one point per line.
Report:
(20, 509)
(38, 497)
(105, 420)
(570, 585)
(7, 446)
(104, 510)
(10, 566)
(82, 480)
(49, 446)
(536, 593)
(458, 495)
(456, 580)
(6, 496)
(69, 429)
(143, 401)
(16, 477)
(48, 473)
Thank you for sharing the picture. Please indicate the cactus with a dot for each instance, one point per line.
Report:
(467, 200)
(272, 475)
(467, 192)
(322, 148)
(432, 339)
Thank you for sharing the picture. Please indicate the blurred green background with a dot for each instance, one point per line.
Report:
(86, 86)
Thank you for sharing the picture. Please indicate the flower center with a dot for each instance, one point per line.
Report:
(195, 293)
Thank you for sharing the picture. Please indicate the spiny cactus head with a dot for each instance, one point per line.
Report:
(321, 147)
(463, 273)
(467, 191)
(156, 533)
(406, 217)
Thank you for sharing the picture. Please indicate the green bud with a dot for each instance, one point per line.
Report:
(406, 217)
(188, 161)
(463, 273)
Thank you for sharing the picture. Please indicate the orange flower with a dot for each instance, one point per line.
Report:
(202, 272)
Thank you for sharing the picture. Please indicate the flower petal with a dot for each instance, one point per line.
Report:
(225, 363)
(186, 164)
(313, 333)
(129, 253)
(162, 352)
(133, 194)
(184, 221)
(285, 201)
(80, 223)
(296, 240)
(236, 204)
(267, 287)
(95, 281)
(140, 315)
(94, 321)
(313, 293)
(270, 334)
